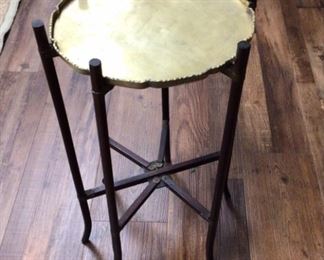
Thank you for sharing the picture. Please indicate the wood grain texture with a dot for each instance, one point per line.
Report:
(126, 109)
(311, 24)
(288, 131)
(51, 171)
(148, 242)
(284, 212)
(21, 38)
(297, 47)
(44, 235)
(277, 172)
(253, 131)
(312, 95)
(19, 121)
(310, 4)
(232, 234)
(190, 136)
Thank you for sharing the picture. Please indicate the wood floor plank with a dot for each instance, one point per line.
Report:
(22, 104)
(232, 234)
(309, 100)
(311, 94)
(62, 225)
(30, 188)
(277, 161)
(288, 132)
(134, 118)
(297, 46)
(47, 160)
(304, 65)
(310, 3)
(314, 124)
(198, 123)
(312, 27)
(284, 212)
(193, 135)
(11, 257)
(253, 132)
(140, 240)
(21, 37)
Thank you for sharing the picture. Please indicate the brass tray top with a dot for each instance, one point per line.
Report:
(144, 43)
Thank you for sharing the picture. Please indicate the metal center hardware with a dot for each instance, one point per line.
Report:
(155, 165)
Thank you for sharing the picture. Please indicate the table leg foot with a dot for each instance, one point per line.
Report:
(87, 222)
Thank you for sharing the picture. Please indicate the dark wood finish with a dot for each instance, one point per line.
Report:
(242, 56)
(310, 4)
(185, 196)
(167, 170)
(123, 116)
(310, 22)
(165, 145)
(147, 176)
(98, 93)
(128, 154)
(234, 243)
(312, 94)
(281, 184)
(46, 54)
(297, 45)
(286, 122)
(131, 211)
(156, 168)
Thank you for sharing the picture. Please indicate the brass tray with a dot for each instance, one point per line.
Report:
(156, 43)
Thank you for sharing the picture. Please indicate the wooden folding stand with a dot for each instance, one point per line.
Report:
(157, 173)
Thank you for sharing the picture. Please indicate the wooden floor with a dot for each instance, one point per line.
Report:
(277, 173)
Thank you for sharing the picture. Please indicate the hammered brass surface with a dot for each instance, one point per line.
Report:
(147, 41)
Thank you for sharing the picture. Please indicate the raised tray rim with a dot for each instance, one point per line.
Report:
(148, 83)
